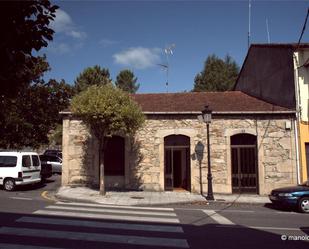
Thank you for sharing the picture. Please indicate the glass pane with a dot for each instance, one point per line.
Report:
(8, 161)
(35, 161)
(26, 162)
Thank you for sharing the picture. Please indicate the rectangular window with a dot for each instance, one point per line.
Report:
(8, 161)
(35, 161)
(26, 162)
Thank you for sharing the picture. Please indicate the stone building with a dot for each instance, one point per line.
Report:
(252, 146)
(279, 74)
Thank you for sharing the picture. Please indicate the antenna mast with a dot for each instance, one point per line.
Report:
(168, 51)
(268, 36)
(249, 30)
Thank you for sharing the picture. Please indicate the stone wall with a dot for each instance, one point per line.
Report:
(144, 167)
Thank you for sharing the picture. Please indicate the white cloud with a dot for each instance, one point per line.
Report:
(63, 24)
(138, 57)
(107, 42)
(59, 48)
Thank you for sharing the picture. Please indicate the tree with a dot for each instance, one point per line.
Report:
(217, 75)
(92, 76)
(107, 110)
(126, 81)
(24, 26)
(30, 117)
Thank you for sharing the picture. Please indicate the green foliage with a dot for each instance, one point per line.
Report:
(107, 110)
(126, 81)
(217, 75)
(92, 76)
(27, 119)
(55, 136)
(24, 27)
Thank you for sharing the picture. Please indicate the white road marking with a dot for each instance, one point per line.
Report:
(22, 198)
(106, 216)
(16, 246)
(97, 237)
(218, 210)
(113, 206)
(97, 224)
(218, 218)
(263, 228)
(109, 210)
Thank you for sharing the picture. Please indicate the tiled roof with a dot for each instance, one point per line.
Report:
(231, 101)
(281, 45)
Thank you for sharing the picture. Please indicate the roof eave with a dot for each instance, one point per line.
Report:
(199, 112)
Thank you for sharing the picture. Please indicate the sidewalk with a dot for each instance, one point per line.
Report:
(133, 198)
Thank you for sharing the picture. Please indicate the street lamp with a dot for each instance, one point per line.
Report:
(206, 113)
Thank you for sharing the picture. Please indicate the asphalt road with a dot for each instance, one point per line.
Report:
(30, 221)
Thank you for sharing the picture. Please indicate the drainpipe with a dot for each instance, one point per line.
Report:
(297, 150)
(297, 120)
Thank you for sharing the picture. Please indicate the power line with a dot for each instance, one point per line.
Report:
(303, 30)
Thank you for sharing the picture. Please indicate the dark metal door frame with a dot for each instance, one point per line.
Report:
(246, 181)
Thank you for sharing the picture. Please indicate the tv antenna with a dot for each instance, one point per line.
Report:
(168, 50)
(267, 29)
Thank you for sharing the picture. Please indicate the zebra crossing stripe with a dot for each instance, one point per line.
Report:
(218, 218)
(107, 216)
(113, 206)
(95, 237)
(108, 210)
(97, 224)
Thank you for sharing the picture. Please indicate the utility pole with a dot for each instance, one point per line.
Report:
(249, 28)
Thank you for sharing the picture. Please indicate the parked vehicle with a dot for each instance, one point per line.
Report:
(46, 170)
(296, 196)
(55, 161)
(57, 153)
(19, 168)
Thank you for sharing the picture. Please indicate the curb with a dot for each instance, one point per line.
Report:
(61, 197)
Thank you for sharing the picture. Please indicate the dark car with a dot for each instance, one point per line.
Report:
(46, 170)
(57, 153)
(296, 196)
(54, 161)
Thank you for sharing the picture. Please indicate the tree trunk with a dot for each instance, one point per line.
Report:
(102, 147)
(101, 165)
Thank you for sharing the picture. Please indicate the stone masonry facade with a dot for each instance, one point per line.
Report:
(144, 154)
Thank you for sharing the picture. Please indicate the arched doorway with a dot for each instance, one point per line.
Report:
(244, 163)
(177, 162)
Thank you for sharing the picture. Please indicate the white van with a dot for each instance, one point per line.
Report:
(19, 168)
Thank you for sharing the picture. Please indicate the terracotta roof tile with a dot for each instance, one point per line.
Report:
(231, 101)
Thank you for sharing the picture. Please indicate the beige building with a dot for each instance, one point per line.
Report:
(252, 146)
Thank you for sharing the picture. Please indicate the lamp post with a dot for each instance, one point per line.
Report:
(207, 119)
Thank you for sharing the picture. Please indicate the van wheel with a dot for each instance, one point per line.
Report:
(304, 205)
(9, 184)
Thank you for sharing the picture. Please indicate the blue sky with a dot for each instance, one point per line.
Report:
(133, 34)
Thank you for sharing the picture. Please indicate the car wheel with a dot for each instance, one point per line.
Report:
(9, 184)
(304, 205)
